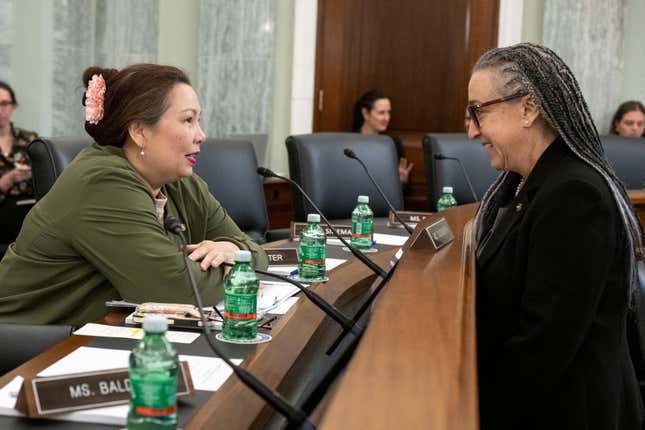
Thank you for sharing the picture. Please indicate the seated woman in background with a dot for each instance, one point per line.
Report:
(629, 120)
(99, 233)
(16, 189)
(372, 116)
(557, 243)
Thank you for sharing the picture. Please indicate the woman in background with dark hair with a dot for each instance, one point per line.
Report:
(371, 115)
(99, 233)
(629, 120)
(16, 189)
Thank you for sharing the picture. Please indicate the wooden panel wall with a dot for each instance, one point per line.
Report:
(418, 52)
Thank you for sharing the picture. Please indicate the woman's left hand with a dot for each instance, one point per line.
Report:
(212, 254)
(404, 170)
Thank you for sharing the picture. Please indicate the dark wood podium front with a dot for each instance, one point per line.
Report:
(415, 367)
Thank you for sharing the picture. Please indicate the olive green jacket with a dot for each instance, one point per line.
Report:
(95, 237)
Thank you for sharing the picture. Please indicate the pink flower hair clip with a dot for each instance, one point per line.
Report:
(94, 99)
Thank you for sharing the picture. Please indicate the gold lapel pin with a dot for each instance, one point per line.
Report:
(518, 207)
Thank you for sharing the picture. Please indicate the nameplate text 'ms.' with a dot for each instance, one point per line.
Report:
(42, 396)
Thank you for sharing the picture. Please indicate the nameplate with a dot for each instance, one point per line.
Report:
(436, 235)
(345, 231)
(43, 396)
(408, 217)
(282, 256)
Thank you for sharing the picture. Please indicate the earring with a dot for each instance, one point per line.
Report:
(141, 153)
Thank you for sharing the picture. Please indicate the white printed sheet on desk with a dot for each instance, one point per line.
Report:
(208, 374)
(389, 239)
(330, 264)
(102, 330)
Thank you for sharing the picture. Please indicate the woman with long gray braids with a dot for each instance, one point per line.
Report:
(556, 259)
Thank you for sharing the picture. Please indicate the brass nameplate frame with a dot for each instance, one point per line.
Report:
(345, 231)
(436, 235)
(42, 396)
(282, 256)
(408, 217)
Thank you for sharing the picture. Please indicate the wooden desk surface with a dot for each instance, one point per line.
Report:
(234, 405)
(415, 367)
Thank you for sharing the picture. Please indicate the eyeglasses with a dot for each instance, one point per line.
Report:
(474, 109)
(6, 103)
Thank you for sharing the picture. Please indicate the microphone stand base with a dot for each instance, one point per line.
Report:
(307, 281)
(260, 338)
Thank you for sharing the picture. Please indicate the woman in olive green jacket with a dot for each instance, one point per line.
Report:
(98, 234)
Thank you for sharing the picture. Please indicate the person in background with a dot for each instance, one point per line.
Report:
(629, 120)
(16, 190)
(557, 244)
(371, 115)
(99, 232)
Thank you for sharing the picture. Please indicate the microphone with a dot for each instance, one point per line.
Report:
(329, 309)
(470, 184)
(173, 225)
(351, 154)
(296, 417)
(267, 173)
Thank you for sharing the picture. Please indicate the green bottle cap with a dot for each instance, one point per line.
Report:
(363, 199)
(313, 218)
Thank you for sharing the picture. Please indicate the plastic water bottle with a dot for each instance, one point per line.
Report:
(312, 253)
(362, 221)
(153, 378)
(447, 200)
(241, 300)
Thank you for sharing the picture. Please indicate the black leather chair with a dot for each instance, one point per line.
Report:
(333, 181)
(49, 157)
(627, 157)
(443, 173)
(21, 342)
(229, 167)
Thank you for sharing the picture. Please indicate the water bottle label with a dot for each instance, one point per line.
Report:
(362, 229)
(312, 254)
(240, 307)
(154, 395)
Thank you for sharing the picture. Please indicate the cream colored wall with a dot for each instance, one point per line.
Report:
(31, 64)
(532, 18)
(633, 85)
(178, 35)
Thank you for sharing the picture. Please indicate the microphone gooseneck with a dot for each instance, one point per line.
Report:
(296, 417)
(263, 171)
(351, 154)
(463, 171)
(329, 309)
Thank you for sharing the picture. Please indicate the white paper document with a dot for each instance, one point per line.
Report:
(330, 263)
(208, 374)
(389, 239)
(102, 330)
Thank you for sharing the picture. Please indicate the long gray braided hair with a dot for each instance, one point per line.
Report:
(541, 73)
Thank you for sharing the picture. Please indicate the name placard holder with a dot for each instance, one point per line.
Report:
(435, 236)
(42, 396)
(282, 256)
(345, 231)
(409, 217)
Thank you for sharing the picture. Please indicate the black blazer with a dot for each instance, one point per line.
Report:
(552, 300)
